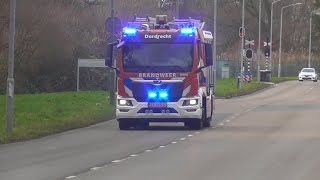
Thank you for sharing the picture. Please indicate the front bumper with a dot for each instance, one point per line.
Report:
(307, 78)
(174, 112)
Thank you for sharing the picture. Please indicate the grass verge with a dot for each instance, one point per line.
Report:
(227, 88)
(45, 114)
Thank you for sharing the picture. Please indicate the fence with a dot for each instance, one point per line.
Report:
(287, 69)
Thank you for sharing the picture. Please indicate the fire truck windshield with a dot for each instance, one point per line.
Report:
(158, 57)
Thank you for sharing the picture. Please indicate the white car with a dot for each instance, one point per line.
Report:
(308, 74)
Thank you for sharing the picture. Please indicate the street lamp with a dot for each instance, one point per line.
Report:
(280, 48)
(271, 30)
(317, 12)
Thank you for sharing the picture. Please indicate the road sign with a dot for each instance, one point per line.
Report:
(250, 42)
(89, 63)
(249, 53)
(112, 39)
(117, 25)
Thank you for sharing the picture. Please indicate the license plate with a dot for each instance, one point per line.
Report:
(157, 104)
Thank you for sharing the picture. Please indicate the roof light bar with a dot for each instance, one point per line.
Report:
(187, 31)
(129, 31)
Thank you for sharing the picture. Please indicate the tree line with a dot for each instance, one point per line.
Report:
(52, 34)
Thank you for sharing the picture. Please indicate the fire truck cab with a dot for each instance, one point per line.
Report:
(165, 73)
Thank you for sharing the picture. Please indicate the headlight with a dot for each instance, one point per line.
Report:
(123, 102)
(191, 102)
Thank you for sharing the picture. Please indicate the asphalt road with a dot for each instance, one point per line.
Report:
(272, 134)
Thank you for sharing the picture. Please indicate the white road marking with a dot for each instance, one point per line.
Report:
(190, 135)
(174, 142)
(182, 139)
(95, 168)
(116, 161)
(162, 146)
(197, 132)
(213, 127)
(71, 177)
(221, 124)
(227, 121)
(148, 150)
(133, 155)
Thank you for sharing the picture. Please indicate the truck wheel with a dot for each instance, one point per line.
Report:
(207, 123)
(197, 124)
(124, 124)
(315, 81)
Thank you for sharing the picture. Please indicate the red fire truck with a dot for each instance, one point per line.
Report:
(164, 73)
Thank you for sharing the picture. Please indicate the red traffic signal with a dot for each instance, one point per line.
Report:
(242, 32)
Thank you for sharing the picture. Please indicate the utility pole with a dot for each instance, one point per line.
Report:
(114, 76)
(215, 46)
(10, 80)
(259, 43)
(242, 43)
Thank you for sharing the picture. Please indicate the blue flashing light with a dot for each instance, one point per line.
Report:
(152, 94)
(187, 31)
(130, 31)
(163, 95)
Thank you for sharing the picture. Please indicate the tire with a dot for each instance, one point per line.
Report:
(124, 124)
(197, 124)
(207, 123)
(315, 81)
(300, 80)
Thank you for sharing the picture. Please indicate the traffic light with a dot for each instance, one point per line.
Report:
(242, 32)
(267, 51)
(249, 53)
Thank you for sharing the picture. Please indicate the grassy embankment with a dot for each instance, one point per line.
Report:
(45, 114)
(227, 88)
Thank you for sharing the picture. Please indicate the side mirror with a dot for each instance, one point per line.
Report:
(209, 55)
(199, 70)
(109, 56)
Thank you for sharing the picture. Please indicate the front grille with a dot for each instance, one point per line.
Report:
(140, 91)
(157, 110)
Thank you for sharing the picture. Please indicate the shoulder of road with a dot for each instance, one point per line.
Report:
(46, 114)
